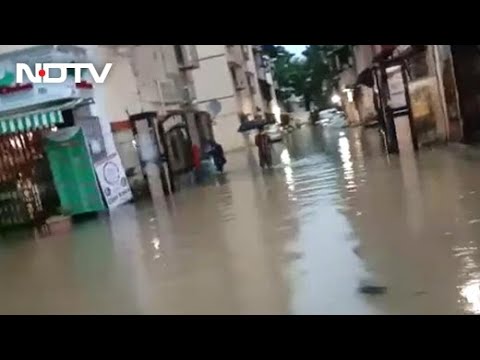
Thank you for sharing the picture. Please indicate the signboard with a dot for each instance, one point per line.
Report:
(396, 86)
(113, 181)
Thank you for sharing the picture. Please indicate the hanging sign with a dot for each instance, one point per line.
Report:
(113, 181)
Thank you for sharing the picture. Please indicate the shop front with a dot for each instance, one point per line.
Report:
(49, 142)
(27, 188)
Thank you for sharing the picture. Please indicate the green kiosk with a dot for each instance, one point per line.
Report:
(73, 171)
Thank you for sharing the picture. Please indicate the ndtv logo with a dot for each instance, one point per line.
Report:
(42, 72)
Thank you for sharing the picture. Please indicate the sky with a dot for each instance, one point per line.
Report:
(296, 49)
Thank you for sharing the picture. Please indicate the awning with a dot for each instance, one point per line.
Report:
(35, 117)
(29, 122)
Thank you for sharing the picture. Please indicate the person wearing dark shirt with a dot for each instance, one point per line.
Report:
(216, 151)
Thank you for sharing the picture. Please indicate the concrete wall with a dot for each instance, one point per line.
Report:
(257, 96)
(424, 109)
(363, 55)
(449, 93)
(364, 97)
(204, 51)
(436, 88)
(212, 80)
(117, 95)
(364, 100)
(130, 86)
(428, 107)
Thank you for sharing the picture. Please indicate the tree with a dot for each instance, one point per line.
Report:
(310, 77)
(321, 75)
(290, 73)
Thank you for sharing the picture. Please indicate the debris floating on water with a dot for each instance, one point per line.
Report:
(474, 221)
(368, 287)
(420, 292)
(356, 250)
(372, 289)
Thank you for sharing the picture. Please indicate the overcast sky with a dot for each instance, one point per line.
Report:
(296, 49)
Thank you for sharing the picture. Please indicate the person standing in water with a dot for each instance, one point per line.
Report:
(264, 146)
(216, 152)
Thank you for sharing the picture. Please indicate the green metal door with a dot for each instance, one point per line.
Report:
(73, 171)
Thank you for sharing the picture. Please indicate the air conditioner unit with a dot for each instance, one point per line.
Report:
(170, 92)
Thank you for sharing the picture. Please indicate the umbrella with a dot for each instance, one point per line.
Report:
(251, 125)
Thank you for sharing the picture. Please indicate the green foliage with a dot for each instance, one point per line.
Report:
(310, 76)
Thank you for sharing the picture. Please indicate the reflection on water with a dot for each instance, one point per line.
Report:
(348, 172)
(471, 293)
(274, 242)
(287, 169)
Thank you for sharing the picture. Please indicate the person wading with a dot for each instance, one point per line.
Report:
(264, 146)
(216, 152)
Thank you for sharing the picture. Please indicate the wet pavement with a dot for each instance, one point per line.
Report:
(333, 214)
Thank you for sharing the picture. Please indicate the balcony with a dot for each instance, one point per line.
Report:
(170, 92)
(187, 57)
(245, 52)
(235, 55)
(239, 78)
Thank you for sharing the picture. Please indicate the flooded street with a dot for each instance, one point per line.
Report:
(300, 239)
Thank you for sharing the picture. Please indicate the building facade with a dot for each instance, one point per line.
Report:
(238, 80)
(167, 77)
(429, 79)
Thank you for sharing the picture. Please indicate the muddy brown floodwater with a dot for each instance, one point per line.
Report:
(333, 213)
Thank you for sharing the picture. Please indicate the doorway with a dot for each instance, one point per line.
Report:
(393, 105)
(466, 64)
(27, 191)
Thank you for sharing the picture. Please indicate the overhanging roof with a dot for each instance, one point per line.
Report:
(35, 117)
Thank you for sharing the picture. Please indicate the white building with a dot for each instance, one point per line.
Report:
(166, 77)
(232, 75)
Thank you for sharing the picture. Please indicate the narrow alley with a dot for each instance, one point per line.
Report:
(334, 211)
